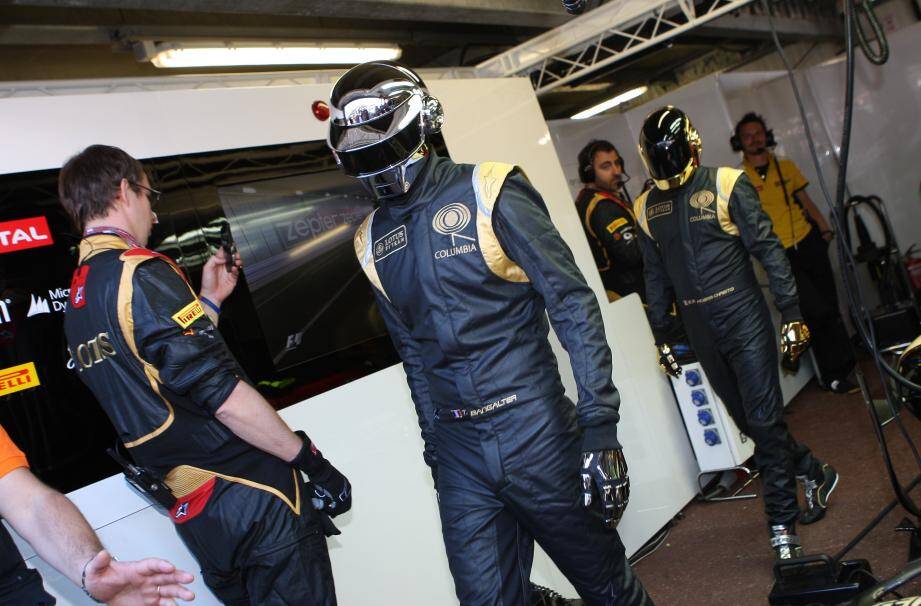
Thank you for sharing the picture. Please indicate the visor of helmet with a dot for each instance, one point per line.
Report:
(371, 134)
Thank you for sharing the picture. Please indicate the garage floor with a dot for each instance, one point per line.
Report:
(719, 552)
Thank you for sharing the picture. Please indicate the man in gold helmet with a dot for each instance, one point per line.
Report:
(698, 227)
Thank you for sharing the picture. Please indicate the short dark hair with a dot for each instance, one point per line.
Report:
(587, 158)
(89, 181)
(748, 119)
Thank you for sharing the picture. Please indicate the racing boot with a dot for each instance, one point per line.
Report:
(785, 543)
(544, 596)
(818, 487)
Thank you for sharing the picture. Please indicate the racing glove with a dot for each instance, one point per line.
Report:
(794, 340)
(604, 476)
(332, 492)
(667, 360)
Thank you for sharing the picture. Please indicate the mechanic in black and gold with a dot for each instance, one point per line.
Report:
(698, 228)
(146, 345)
(607, 218)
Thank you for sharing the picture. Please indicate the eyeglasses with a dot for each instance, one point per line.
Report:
(152, 194)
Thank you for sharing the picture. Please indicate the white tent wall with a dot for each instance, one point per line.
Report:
(390, 550)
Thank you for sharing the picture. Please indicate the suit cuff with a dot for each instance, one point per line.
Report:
(791, 313)
(600, 437)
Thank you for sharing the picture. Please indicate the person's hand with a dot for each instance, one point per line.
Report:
(332, 490)
(668, 362)
(216, 282)
(794, 340)
(148, 582)
(828, 235)
(604, 474)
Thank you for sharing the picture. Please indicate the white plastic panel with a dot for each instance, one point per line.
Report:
(390, 551)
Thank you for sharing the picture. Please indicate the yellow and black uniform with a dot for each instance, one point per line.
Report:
(777, 183)
(610, 227)
(19, 584)
(141, 341)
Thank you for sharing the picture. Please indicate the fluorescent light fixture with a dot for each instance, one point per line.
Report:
(173, 55)
(633, 93)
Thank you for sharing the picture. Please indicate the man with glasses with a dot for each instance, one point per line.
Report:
(145, 343)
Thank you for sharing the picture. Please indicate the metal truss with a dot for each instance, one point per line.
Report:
(601, 37)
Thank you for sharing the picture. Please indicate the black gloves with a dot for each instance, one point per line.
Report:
(604, 474)
(667, 361)
(332, 491)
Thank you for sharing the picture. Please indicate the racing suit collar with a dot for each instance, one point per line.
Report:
(95, 243)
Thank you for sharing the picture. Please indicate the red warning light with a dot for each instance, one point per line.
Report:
(320, 110)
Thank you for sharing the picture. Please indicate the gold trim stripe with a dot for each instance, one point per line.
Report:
(365, 253)
(183, 480)
(725, 182)
(488, 179)
(639, 211)
(126, 323)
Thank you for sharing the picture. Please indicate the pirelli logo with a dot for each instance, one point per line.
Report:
(17, 378)
(613, 225)
(188, 314)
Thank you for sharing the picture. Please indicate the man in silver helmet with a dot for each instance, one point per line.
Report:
(465, 262)
(715, 215)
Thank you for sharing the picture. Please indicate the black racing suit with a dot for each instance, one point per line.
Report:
(464, 268)
(610, 228)
(697, 241)
(141, 341)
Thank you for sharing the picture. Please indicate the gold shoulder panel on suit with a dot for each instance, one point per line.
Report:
(365, 253)
(725, 182)
(589, 209)
(488, 179)
(639, 210)
(126, 324)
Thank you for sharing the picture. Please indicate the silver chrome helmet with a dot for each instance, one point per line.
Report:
(380, 115)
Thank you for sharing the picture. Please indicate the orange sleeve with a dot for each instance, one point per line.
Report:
(10, 456)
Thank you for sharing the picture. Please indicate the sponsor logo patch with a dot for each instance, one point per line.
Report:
(24, 233)
(613, 225)
(78, 286)
(702, 201)
(188, 314)
(17, 378)
(450, 220)
(658, 210)
(390, 243)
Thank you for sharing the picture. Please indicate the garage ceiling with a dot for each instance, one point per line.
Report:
(70, 39)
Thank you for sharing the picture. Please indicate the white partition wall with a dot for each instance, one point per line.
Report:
(390, 550)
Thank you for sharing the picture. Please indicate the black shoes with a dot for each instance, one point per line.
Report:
(786, 544)
(818, 488)
(843, 386)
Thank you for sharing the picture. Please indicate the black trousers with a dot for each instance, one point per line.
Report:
(255, 551)
(19, 584)
(509, 479)
(734, 340)
(818, 299)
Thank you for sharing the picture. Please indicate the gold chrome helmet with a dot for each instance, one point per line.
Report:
(670, 147)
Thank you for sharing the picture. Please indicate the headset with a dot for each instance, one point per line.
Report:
(587, 157)
(736, 143)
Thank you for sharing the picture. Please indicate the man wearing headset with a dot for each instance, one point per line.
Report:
(804, 234)
(466, 266)
(607, 218)
(699, 228)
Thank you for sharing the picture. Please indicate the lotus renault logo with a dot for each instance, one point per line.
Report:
(451, 219)
(702, 199)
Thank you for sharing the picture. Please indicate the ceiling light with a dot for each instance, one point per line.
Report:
(633, 93)
(186, 55)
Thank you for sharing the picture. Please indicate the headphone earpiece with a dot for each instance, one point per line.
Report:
(735, 143)
(433, 117)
